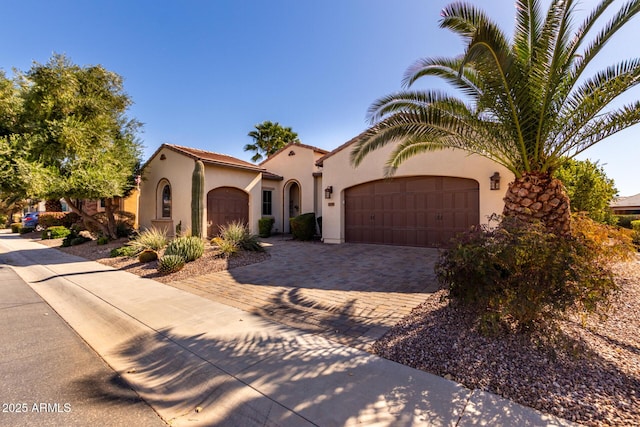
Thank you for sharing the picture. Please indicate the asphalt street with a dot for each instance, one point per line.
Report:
(49, 376)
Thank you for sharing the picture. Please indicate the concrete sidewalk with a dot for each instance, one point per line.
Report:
(198, 362)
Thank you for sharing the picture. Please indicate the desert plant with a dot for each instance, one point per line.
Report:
(170, 264)
(147, 255)
(102, 240)
(55, 232)
(125, 251)
(227, 247)
(15, 227)
(303, 227)
(79, 240)
(197, 194)
(152, 238)
(518, 275)
(265, 225)
(189, 248)
(239, 234)
(3, 220)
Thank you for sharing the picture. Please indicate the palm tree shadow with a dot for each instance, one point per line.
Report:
(261, 380)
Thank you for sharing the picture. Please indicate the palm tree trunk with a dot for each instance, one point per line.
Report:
(539, 197)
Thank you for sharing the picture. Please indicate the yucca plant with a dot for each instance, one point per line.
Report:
(170, 264)
(227, 247)
(152, 238)
(526, 104)
(189, 248)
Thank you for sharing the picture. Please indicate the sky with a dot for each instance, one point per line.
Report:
(203, 73)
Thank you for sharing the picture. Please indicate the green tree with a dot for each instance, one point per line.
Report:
(13, 148)
(268, 138)
(589, 189)
(80, 143)
(526, 103)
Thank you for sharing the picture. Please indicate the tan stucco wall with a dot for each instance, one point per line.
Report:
(177, 169)
(297, 168)
(339, 173)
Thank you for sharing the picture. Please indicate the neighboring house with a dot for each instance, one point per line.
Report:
(430, 199)
(626, 205)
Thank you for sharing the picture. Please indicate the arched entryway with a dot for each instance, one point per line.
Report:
(225, 205)
(292, 202)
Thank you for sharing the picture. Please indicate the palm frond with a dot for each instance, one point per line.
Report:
(449, 69)
(600, 128)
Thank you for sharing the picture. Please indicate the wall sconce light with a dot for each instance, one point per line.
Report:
(495, 181)
(328, 192)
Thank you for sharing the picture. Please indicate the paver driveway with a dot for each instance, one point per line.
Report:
(351, 293)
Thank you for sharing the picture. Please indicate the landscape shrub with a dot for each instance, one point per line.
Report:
(51, 219)
(74, 238)
(264, 226)
(237, 234)
(147, 256)
(25, 230)
(518, 275)
(3, 220)
(152, 238)
(190, 248)
(69, 219)
(55, 232)
(227, 247)
(15, 227)
(170, 264)
(625, 220)
(635, 226)
(102, 240)
(125, 251)
(303, 227)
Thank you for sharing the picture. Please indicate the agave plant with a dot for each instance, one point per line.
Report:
(526, 103)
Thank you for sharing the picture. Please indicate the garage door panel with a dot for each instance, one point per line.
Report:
(415, 211)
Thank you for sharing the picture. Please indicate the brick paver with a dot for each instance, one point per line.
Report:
(351, 293)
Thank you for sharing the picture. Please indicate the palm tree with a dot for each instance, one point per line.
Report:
(268, 138)
(527, 104)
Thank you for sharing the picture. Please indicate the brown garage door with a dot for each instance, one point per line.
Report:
(225, 205)
(415, 211)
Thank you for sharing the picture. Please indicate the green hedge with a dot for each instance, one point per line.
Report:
(303, 227)
(625, 220)
(16, 227)
(264, 226)
(55, 232)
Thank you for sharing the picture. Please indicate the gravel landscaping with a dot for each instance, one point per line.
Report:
(592, 377)
(210, 262)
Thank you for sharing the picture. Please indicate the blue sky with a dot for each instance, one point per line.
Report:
(203, 73)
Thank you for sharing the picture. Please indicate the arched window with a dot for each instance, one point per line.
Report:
(166, 201)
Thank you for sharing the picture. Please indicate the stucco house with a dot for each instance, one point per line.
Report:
(431, 197)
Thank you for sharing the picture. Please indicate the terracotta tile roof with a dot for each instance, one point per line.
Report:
(215, 158)
(623, 202)
(293, 144)
(340, 148)
(210, 157)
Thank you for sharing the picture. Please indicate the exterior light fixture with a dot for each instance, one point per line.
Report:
(328, 192)
(495, 181)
